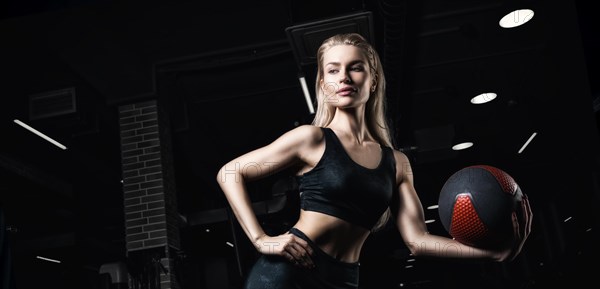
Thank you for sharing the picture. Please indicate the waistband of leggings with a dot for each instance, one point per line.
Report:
(320, 252)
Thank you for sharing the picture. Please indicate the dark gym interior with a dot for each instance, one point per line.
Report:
(208, 81)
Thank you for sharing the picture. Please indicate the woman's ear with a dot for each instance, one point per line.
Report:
(374, 83)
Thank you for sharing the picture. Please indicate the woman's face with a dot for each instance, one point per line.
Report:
(347, 79)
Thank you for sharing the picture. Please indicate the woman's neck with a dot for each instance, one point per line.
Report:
(351, 123)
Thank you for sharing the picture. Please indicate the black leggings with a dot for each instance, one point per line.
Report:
(276, 272)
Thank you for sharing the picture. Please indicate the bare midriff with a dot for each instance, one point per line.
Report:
(336, 237)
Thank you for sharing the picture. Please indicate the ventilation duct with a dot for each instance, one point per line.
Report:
(52, 103)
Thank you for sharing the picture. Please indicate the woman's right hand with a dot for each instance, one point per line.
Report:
(287, 245)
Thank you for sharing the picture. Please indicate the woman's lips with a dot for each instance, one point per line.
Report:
(346, 91)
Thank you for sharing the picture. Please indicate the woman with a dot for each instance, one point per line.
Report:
(348, 174)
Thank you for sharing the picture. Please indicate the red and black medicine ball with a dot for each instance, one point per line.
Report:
(476, 205)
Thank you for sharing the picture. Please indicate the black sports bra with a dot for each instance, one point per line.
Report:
(340, 187)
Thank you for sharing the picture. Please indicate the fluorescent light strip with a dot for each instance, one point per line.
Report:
(306, 94)
(229, 244)
(429, 221)
(527, 142)
(33, 130)
(48, 259)
(432, 207)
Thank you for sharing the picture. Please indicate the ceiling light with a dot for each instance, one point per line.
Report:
(516, 18)
(463, 134)
(432, 207)
(483, 98)
(48, 259)
(462, 146)
(33, 130)
(306, 94)
(527, 142)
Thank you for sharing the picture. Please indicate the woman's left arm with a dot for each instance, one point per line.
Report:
(410, 221)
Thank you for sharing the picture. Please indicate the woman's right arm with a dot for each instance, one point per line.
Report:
(285, 151)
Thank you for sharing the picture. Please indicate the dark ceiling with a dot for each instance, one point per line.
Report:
(232, 86)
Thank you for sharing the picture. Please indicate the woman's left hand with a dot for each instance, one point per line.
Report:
(522, 228)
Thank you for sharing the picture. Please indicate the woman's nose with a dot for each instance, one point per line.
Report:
(344, 78)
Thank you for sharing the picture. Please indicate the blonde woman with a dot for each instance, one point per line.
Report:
(348, 173)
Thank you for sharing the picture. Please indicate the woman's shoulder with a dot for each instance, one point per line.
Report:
(303, 140)
(306, 133)
(403, 166)
(400, 157)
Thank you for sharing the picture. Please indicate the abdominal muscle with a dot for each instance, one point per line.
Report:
(336, 237)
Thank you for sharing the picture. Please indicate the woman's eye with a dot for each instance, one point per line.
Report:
(357, 68)
(331, 71)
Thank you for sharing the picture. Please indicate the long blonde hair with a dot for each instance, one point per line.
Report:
(376, 105)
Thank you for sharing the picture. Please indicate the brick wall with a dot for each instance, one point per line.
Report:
(150, 207)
